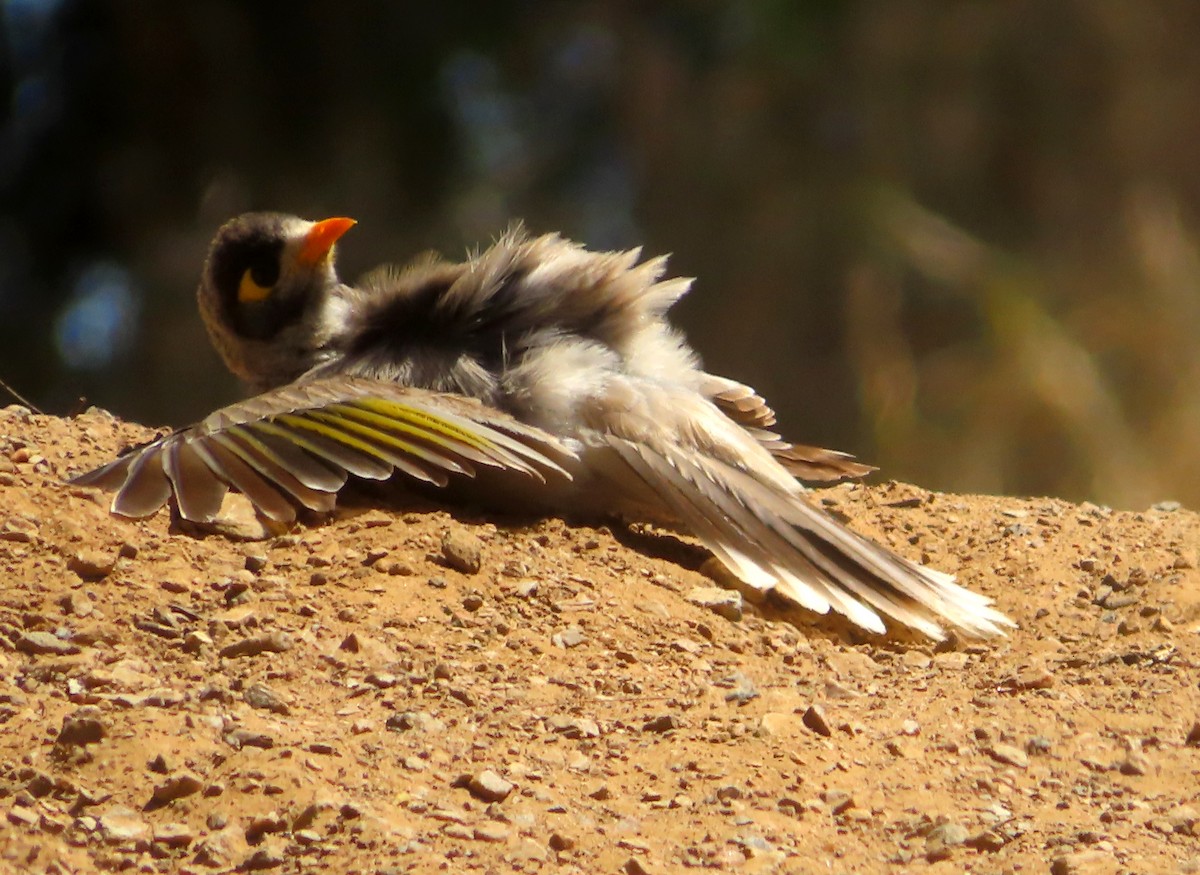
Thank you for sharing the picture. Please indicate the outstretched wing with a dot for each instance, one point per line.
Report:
(749, 410)
(729, 491)
(297, 445)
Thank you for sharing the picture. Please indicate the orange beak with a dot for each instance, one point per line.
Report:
(320, 239)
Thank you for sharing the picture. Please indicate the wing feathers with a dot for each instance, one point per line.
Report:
(298, 444)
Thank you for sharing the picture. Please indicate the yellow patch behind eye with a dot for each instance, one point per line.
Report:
(249, 290)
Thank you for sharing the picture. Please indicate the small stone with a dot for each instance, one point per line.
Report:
(264, 698)
(175, 787)
(44, 643)
(570, 637)
(263, 858)
(814, 718)
(18, 529)
(472, 602)
(174, 835)
(559, 842)
(916, 660)
(81, 728)
(942, 839)
(76, 603)
(662, 723)
(92, 564)
(421, 721)
(634, 866)
(774, 724)
(526, 850)
(1030, 677)
(988, 840)
(196, 641)
(837, 800)
(1193, 736)
(222, 848)
(1080, 863)
(1136, 763)
(489, 786)
(727, 603)
(741, 688)
(239, 738)
(574, 727)
(1009, 755)
(119, 825)
(462, 551)
(491, 832)
(273, 642)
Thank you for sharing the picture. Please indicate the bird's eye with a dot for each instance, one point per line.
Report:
(249, 290)
(259, 280)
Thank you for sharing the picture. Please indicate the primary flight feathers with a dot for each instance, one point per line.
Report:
(297, 445)
(541, 375)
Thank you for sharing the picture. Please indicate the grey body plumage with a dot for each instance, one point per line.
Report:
(578, 387)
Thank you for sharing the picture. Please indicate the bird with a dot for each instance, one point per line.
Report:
(535, 375)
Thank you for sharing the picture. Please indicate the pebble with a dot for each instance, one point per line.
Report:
(774, 723)
(814, 718)
(222, 848)
(1031, 677)
(570, 637)
(422, 721)
(1136, 763)
(119, 825)
(92, 564)
(1009, 755)
(264, 698)
(1080, 863)
(273, 642)
(76, 603)
(44, 644)
(175, 787)
(1193, 736)
(662, 723)
(82, 728)
(942, 839)
(239, 738)
(264, 858)
(741, 688)
(488, 786)
(18, 529)
(490, 832)
(174, 835)
(573, 727)
(727, 603)
(838, 801)
(462, 551)
(988, 840)
(526, 850)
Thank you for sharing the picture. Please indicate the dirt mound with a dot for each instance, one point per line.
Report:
(398, 689)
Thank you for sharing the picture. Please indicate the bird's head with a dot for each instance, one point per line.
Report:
(264, 289)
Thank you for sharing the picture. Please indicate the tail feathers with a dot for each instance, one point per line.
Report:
(748, 409)
(778, 541)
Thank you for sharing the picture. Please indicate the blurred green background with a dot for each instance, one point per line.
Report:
(959, 240)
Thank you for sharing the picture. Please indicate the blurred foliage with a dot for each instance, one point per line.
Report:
(957, 239)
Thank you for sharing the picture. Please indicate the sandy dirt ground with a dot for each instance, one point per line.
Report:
(405, 688)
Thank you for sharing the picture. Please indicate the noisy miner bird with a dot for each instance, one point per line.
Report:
(536, 375)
